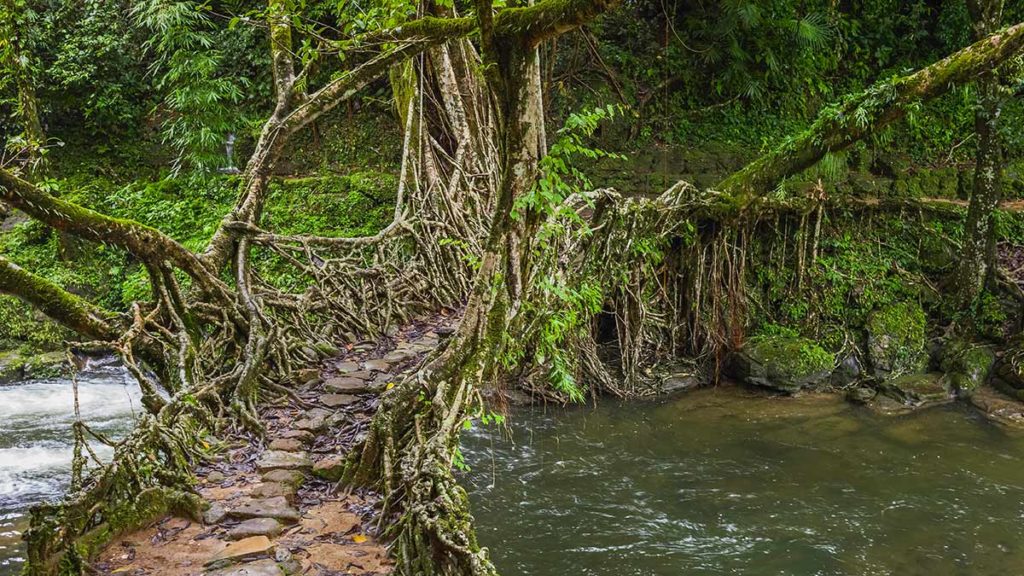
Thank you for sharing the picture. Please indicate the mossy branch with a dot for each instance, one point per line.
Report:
(70, 310)
(857, 116)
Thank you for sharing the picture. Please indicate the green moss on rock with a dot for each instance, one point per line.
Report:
(784, 363)
(896, 340)
(967, 365)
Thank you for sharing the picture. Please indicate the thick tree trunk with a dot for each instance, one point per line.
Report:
(978, 246)
(13, 29)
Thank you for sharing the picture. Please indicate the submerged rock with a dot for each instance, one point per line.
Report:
(896, 341)
(967, 365)
(782, 363)
(920, 389)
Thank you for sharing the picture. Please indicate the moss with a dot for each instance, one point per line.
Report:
(967, 365)
(783, 362)
(896, 340)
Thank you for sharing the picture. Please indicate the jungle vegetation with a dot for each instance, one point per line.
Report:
(823, 159)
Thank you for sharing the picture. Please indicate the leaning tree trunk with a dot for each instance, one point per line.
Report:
(977, 256)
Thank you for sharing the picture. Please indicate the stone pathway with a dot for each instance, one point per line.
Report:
(273, 508)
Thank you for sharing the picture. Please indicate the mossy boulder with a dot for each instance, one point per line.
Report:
(919, 389)
(782, 363)
(896, 341)
(1008, 373)
(16, 365)
(967, 365)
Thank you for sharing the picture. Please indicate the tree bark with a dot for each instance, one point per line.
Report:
(979, 235)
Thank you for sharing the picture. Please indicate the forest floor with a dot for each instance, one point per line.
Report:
(275, 506)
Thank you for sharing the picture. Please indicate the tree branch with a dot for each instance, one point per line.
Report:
(859, 115)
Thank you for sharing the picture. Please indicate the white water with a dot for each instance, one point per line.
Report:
(36, 446)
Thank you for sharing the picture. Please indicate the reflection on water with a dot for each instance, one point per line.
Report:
(720, 482)
(35, 442)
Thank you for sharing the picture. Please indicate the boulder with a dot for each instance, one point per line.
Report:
(896, 341)
(966, 365)
(848, 372)
(782, 363)
(1008, 373)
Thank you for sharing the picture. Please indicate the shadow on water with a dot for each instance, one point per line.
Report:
(724, 482)
(36, 446)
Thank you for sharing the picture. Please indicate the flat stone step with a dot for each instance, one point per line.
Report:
(273, 489)
(289, 477)
(281, 460)
(276, 507)
(258, 568)
(255, 527)
(377, 365)
(338, 400)
(287, 445)
(346, 385)
(245, 549)
(346, 367)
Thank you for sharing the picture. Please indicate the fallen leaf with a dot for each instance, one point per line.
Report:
(359, 538)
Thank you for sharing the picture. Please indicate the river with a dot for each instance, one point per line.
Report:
(35, 442)
(722, 482)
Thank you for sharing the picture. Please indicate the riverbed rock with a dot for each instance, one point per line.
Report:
(920, 389)
(680, 381)
(255, 527)
(861, 394)
(1008, 373)
(782, 363)
(967, 365)
(998, 407)
(245, 549)
(277, 508)
(281, 460)
(848, 372)
(896, 341)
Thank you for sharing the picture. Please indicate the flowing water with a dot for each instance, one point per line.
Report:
(36, 446)
(723, 482)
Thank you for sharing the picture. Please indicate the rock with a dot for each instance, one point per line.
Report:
(338, 400)
(445, 330)
(306, 376)
(848, 372)
(330, 468)
(289, 477)
(360, 375)
(399, 356)
(966, 365)
(346, 385)
(287, 445)
(215, 477)
(377, 365)
(896, 341)
(314, 421)
(276, 507)
(214, 514)
(255, 527)
(280, 460)
(998, 407)
(861, 394)
(259, 568)
(1008, 374)
(273, 489)
(326, 349)
(346, 367)
(246, 549)
(680, 381)
(303, 436)
(919, 389)
(782, 363)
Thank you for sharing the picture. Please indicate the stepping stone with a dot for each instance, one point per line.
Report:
(377, 365)
(214, 514)
(399, 356)
(289, 477)
(245, 549)
(338, 400)
(346, 385)
(280, 460)
(255, 527)
(360, 375)
(276, 507)
(314, 420)
(346, 367)
(272, 489)
(330, 468)
(258, 568)
(300, 435)
(287, 445)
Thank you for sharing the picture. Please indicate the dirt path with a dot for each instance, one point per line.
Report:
(274, 509)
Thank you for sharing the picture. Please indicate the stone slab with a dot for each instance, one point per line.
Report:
(245, 549)
(276, 507)
(255, 527)
(281, 460)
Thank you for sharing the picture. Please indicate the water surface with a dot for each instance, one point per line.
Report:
(721, 482)
(36, 446)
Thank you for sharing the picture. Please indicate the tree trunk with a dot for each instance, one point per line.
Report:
(13, 28)
(977, 256)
